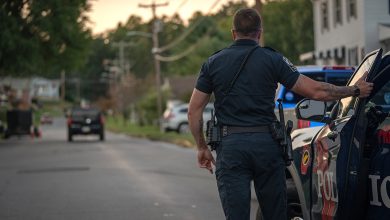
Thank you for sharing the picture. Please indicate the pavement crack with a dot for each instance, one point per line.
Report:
(53, 170)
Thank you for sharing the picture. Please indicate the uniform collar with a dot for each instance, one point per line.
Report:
(244, 42)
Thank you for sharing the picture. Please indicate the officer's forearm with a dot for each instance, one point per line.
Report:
(321, 91)
(329, 92)
(196, 126)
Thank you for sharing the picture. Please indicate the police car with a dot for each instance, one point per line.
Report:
(342, 169)
(337, 75)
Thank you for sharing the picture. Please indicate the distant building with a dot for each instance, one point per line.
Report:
(41, 88)
(345, 30)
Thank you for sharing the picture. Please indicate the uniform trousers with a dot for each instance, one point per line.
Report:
(246, 157)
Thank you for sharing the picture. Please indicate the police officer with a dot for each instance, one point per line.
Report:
(247, 151)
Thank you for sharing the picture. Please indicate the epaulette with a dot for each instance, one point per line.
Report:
(217, 51)
(271, 49)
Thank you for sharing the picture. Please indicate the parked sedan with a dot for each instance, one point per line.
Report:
(46, 118)
(175, 118)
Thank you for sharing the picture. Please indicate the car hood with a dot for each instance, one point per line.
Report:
(304, 136)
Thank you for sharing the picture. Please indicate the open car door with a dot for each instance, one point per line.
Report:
(336, 151)
(361, 193)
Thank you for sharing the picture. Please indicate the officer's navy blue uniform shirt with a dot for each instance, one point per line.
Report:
(251, 99)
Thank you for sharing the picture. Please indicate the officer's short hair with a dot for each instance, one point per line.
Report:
(247, 21)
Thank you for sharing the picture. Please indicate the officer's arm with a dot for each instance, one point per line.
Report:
(195, 116)
(323, 91)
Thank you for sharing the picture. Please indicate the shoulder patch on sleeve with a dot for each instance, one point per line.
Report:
(292, 67)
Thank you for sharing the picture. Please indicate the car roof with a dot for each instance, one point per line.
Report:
(334, 69)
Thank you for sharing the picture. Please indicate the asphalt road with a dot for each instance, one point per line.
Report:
(121, 178)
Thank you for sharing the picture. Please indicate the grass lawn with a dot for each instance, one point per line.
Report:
(116, 124)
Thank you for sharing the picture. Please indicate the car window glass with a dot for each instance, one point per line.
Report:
(183, 110)
(207, 110)
(80, 114)
(348, 104)
(382, 97)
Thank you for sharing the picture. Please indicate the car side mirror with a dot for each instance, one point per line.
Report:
(311, 110)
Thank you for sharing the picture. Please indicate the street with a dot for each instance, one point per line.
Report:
(121, 178)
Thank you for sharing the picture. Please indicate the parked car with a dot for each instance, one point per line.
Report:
(85, 121)
(342, 170)
(337, 75)
(46, 118)
(175, 117)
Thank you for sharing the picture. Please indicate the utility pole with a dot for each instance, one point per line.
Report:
(157, 67)
(121, 54)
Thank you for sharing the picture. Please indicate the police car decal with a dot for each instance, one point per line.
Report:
(305, 159)
(379, 178)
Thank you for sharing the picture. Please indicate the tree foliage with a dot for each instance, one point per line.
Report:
(288, 28)
(42, 37)
(46, 37)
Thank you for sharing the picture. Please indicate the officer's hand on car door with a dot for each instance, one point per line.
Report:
(205, 159)
(364, 87)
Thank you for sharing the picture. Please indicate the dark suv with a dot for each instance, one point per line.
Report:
(85, 121)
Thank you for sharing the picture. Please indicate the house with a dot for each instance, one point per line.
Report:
(345, 30)
(42, 88)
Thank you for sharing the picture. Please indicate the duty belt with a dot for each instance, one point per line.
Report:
(227, 130)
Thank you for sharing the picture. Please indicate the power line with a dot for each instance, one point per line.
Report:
(188, 31)
(176, 57)
(181, 5)
(180, 55)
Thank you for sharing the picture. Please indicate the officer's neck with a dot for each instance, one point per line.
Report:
(246, 38)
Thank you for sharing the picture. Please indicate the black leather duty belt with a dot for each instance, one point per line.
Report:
(227, 130)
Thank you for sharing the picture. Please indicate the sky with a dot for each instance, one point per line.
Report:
(105, 14)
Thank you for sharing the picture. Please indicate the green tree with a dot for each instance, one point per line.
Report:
(43, 37)
(288, 27)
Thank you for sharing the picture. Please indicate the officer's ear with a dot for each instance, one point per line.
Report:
(234, 34)
(259, 33)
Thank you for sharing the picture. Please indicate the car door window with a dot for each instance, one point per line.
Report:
(183, 110)
(347, 105)
(382, 97)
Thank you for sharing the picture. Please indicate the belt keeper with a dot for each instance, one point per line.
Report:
(224, 131)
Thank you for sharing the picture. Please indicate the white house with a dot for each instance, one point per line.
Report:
(345, 30)
(39, 87)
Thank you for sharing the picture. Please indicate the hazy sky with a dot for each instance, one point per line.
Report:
(105, 14)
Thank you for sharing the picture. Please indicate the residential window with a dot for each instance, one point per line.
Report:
(337, 12)
(325, 16)
(351, 9)
(353, 56)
